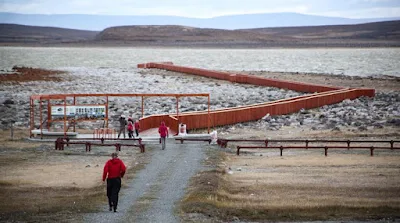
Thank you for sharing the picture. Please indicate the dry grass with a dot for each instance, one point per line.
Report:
(300, 186)
(26, 74)
(18, 141)
(40, 184)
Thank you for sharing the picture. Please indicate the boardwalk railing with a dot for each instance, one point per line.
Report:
(325, 95)
(328, 144)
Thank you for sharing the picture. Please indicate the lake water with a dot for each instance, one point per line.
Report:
(353, 62)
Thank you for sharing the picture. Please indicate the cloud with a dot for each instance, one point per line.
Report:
(206, 8)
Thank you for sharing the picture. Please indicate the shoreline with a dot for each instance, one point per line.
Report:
(205, 46)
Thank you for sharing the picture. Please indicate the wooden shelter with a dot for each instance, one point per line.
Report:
(46, 100)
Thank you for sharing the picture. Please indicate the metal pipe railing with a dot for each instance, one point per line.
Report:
(60, 142)
(224, 142)
(371, 148)
(203, 140)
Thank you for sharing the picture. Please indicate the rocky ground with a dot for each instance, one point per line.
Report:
(32, 167)
(362, 114)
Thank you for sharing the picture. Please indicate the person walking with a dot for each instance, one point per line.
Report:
(130, 128)
(122, 125)
(137, 128)
(114, 170)
(163, 131)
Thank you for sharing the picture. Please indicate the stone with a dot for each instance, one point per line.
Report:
(394, 121)
(304, 111)
(362, 128)
(267, 117)
(8, 102)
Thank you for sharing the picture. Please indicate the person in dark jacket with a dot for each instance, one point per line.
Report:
(163, 130)
(122, 125)
(114, 170)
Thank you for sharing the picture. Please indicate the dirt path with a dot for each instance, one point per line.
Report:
(152, 195)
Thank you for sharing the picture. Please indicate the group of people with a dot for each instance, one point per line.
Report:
(130, 125)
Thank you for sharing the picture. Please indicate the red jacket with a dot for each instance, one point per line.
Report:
(163, 130)
(114, 168)
(137, 126)
(130, 126)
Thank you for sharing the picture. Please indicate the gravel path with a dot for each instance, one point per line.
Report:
(152, 195)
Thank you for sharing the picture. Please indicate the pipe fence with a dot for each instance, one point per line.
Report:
(61, 142)
(223, 143)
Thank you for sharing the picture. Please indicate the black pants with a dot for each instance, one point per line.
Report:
(130, 134)
(137, 132)
(113, 187)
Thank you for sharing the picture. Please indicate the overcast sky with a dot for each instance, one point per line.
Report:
(206, 8)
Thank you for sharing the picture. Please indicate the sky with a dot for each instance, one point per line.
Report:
(206, 8)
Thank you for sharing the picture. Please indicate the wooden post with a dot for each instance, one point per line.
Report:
(142, 106)
(177, 110)
(208, 124)
(75, 113)
(65, 117)
(106, 117)
(48, 114)
(41, 121)
(12, 130)
(32, 126)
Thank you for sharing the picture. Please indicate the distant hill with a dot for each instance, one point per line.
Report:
(12, 33)
(380, 34)
(180, 34)
(370, 31)
(247, 21)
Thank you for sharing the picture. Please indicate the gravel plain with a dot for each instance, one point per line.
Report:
(152, 195)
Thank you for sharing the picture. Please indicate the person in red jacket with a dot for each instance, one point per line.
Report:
(114, 170)
(163, 130)
(130, 128)
(137, 128)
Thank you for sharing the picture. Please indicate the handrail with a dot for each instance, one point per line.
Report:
(223, 143)
(60, 142)
(371, 148)
(183, 139)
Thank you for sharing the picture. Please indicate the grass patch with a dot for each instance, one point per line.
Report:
(33, 204)
(36, 201)
(281, 194)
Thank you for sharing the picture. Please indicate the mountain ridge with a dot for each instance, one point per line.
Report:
(14, 33)
(232, 22)
(379, 34)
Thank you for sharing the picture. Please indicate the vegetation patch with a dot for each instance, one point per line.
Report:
(271, 192)
(27, 74)
(27, 203)
(40, 184)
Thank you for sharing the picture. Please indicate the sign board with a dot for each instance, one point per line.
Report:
(78, 111)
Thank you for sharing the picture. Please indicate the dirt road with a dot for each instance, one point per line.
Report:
(152, 195)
